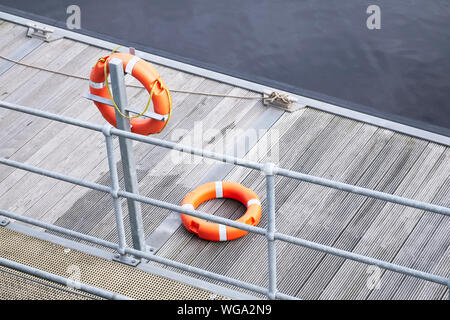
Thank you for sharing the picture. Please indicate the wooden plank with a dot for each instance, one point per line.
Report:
(15, 45)
(17, 52)
(355, 230)
(385, 236)
(182, 237)
(5, 25)
(12, 82)
(331, 218)
(43, 90)
(418, 240)
(424, 250)
(430, 289)
(10, 33)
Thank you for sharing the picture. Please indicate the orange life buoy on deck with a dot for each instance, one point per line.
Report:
(221, 189)
(147, 75)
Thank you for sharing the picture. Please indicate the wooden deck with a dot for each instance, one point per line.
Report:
(309, 141)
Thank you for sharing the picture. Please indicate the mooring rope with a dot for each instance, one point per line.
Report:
(128, 85)
(274, 96)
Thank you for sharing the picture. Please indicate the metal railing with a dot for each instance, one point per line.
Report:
(270, 171)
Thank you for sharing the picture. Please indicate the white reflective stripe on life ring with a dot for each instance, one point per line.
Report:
(219, 189)
(96, 85)
(253, 201)
(131, 63)
(222, 232)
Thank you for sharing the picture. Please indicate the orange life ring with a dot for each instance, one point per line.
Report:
(146, 74)
(221, 189)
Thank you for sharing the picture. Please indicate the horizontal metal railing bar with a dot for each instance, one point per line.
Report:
(361, 258)
(137, 253)
(55, 175)
(187, 149)
(60, 230)
(234, 160)
(61, 280)
(364, 191)
(51, 116)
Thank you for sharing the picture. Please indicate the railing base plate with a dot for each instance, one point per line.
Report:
(128, 260)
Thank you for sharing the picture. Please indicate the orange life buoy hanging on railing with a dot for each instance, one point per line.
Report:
(221, 189)
(147, 75)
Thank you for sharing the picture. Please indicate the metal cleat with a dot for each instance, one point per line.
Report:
(42, 32)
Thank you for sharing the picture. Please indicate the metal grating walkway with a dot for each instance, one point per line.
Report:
(95, 271)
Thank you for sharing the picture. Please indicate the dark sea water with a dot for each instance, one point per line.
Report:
(322, 49)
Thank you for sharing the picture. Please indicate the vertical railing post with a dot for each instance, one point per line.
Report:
(268, 170)
(448, 287)
(121, 256)
(127, 154)
(115, 188)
